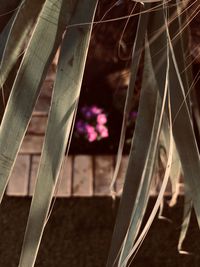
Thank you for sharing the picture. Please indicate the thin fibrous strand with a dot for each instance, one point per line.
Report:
(156, 8)
(189, 65)
(191, 17)
(172, 18)
(176, 69)
(124, 123)
(122, 35)
(196, 79)
(124, 17)
(162, 29)
(108, 11)
(13, 10)
(187, 22)
(116, 19)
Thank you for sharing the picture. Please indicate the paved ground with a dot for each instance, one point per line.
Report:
(79, 233)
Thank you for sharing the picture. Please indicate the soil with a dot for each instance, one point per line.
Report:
(79, 231)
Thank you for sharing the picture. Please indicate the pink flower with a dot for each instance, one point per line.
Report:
(104, 134)
(133, 114)
(92, 136)
(95, 110)
(102, 130)
(80, 126)
(89, 129)
(101, 119)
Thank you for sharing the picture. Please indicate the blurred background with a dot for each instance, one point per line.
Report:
(79, 232)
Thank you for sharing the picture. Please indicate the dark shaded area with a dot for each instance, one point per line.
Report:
(79, 233)
(107, 72)
(6, 10)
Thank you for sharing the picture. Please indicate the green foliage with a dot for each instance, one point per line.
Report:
(164, 109)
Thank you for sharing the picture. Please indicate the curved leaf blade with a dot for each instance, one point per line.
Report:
(41, 50)
(23, 23)
(65, 97)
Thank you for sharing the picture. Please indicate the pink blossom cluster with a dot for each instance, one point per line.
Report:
(93, 125)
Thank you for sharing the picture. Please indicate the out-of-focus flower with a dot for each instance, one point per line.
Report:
(95, 110)
(92, 136)
(87, 113)
(84, 109)
(102, 130)
(104, 134)
(133, 114)
(101, 119)
(93, 124)
(89, 128)
(80, 126)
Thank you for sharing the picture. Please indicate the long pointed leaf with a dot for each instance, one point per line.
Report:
(41, 50)
(160, 195)
(4, 35)
(183, 131)
(187, 211)
(66, 93)
(176, 165)
(136, 164)
(136, 56)
(24, 21)
(143, 194)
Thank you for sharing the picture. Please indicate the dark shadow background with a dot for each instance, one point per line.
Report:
(79, 233)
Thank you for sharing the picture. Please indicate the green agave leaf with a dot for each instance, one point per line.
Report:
(149, 85)
(186, 220)
(3, 39)
(179, 85)
(161, 40)
(184, 75)
(65, 97)
(176, 165)
(180, 43)
(183, 130)
(175, 175)
(24, 21)
(160, 195)
(138, 155)
(196, 111)
(39, 54)
(185, 67)
(136, 55)
(5, 33)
